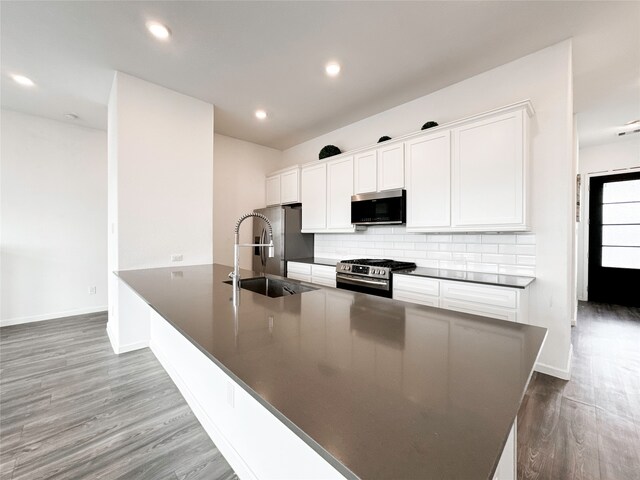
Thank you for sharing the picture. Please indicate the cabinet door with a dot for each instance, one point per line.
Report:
(391, 167)
(366, 172)
(289, 187)
(314, 198)
(488, 172)
(429, 182)
(339, 191)
(273, 190)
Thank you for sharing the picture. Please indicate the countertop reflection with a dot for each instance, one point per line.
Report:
(387, 389)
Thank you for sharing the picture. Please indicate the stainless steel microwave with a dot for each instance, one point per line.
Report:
(379, 208)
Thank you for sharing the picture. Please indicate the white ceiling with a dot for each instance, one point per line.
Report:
(242, 56)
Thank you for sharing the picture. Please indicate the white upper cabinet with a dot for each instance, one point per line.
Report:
(283, 187)
(379, 169)
(290, 186)
(489, 173)
(365, 172)
(339, 191)
(273, 190)
(314, 198)
(428, 180)
(391, 167)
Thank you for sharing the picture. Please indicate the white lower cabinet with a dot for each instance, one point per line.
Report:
(299, 271)
(323, 275)
(319, 274)
(504, 303)
(424, 291)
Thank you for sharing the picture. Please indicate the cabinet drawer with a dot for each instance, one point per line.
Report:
(299, 276)
(422, 299)
(416, 285)
(480, 309)
(324, 271)
(327, 282)
(480, 294)
(300, 268)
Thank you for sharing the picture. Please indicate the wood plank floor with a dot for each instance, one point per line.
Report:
(589, 427)
(70, 408)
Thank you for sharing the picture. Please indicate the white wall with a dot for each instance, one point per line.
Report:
(238, 187)
(618, 155)
(53, 219)
(160, 188)
(544, 77)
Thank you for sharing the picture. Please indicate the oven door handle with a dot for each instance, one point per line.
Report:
(360, 281)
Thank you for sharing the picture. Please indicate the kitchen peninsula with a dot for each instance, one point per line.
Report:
(332, 383)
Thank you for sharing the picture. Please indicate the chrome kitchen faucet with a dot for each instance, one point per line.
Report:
(235, 275)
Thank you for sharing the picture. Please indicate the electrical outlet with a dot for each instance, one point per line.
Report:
(176, 258)
(92, 290)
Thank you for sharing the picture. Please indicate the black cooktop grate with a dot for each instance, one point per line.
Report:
(384, 263)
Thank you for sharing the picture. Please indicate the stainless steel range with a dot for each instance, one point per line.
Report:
(373, 276)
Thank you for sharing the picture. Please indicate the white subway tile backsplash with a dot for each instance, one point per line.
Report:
(493, 258)
(439, 255)
(467, 257)
(498, 238)
(427, 263)
(483, 248)
(438, 238)
(527, 239)
(415, 237)
(473, 238)
(506, 253)
(482, 267)
(450, 265)
(517, 270)
(526, 260)
(518, 249)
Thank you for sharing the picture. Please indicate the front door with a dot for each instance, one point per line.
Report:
(614, 239)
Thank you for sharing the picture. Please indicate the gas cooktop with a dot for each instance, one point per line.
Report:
(381, 263)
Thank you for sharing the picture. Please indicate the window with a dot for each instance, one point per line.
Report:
(621, 224)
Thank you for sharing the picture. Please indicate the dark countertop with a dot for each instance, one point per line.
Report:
(316, 261)
(387, 389)
(472, 277)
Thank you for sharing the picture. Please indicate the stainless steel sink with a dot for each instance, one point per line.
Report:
(272, 287)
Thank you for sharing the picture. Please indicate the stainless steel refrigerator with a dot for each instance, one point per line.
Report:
(289, 242)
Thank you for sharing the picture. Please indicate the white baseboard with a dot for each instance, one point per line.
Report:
(5, 322)
(562, 373)
(118, 349)
(228, 451)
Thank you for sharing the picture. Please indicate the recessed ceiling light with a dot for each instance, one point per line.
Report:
(332, 69)
(22, 80)
(158, 30)
(71, 116)
(261, 114)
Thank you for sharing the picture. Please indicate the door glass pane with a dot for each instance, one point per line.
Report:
(623, 235)
(621, 257)
(626, 191)
(621, 213)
